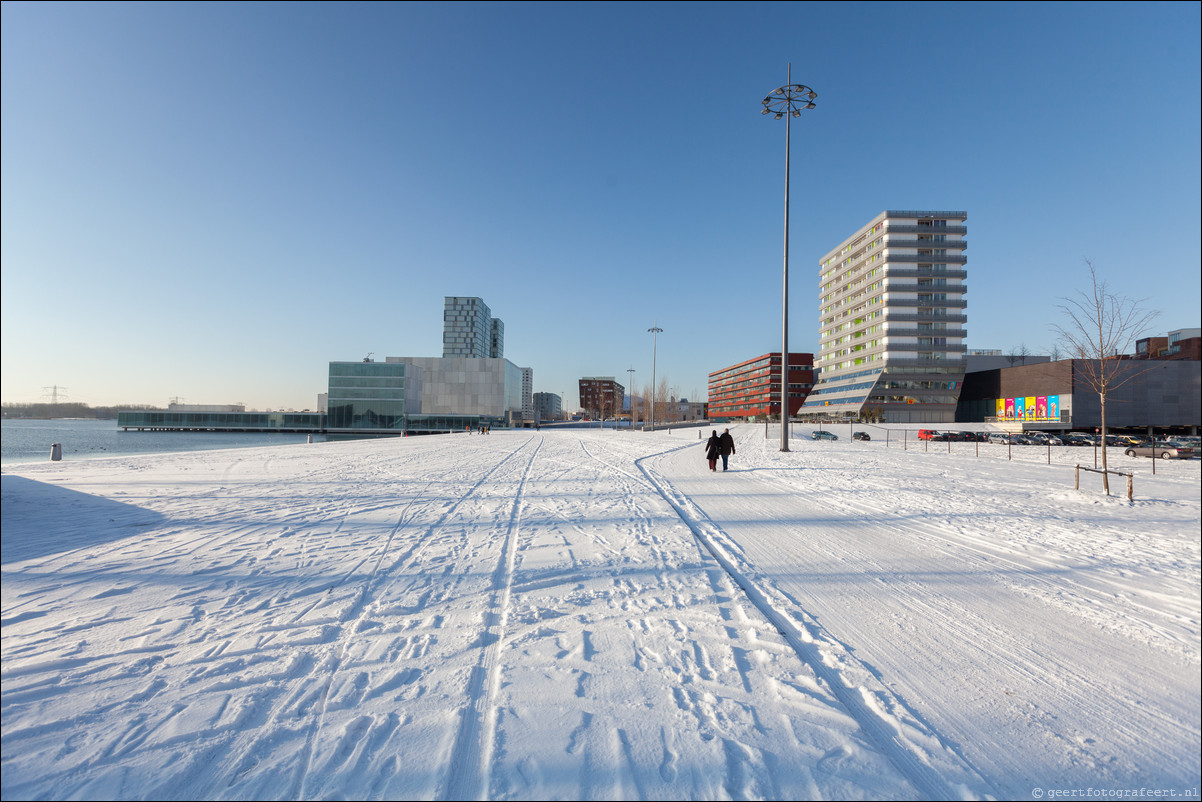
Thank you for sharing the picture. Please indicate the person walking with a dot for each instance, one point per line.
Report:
(713, 447)
(726, 446)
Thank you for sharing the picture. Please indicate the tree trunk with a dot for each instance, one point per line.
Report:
(1105, 474)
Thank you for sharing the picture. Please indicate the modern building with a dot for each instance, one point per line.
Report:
(175, 406)
(991, 358)
(548, 406)
(1164, 393)
(489, 388)
(371, 396)
(601, 396)
(469, 329)
(686, 410)
(891, 320)
(527, 394)
(751, 389)
(1179, 344)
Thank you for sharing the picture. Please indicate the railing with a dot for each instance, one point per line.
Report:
(927, 214)
(904, 228)
(958, 244)
(957, 258)
(958, 332)
(913, 272)
(1077, 479)
(914, 317)
(897, 286)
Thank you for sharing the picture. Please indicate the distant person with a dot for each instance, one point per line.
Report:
(713, 447)
(726, 445)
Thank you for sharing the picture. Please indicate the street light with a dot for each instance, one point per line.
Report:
(655, 330)
(786, 101)
(631, 372)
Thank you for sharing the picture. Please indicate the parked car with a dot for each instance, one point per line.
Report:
(822, 434)
(927, 434)
(974, 437)
(1161, 450)
(1076, 439)
(860, 436)
(1001, 438)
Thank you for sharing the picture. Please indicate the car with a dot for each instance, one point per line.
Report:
(860, 436)
(1001, 438)
(927, 434)
(974, 437)
(822, 434)
(1161, 450)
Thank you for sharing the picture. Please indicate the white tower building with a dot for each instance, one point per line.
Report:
(891, 320)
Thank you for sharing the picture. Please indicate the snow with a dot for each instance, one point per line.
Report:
(581, 614)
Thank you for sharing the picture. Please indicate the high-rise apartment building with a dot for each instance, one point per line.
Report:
(891, 320)
(470, 330)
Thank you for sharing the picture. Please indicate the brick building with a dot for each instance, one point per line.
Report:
(752, 388)
(601, 396)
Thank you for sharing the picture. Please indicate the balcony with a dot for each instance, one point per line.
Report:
(951, 258)
(956, 244)
(922, 333)
(902, 228)
(912, 317)
(913, 272)
(897, 286)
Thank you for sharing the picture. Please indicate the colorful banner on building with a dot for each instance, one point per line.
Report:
(1029, 408)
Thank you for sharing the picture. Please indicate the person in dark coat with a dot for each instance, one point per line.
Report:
(726, 445)
(713, 447)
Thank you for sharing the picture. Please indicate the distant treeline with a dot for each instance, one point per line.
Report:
(69, 409)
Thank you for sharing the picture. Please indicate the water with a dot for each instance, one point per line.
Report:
(30, 440)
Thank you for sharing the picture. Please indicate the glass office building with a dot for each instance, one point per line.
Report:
(372, 396)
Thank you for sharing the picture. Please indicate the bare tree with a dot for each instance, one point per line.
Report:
(662, 408)
(1101, 327)
(1056, 354)
(1019, 354)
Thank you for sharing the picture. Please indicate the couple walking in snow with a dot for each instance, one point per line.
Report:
(717, 446)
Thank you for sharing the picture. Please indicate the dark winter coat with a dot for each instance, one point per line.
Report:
(726, 444)
(713, 447)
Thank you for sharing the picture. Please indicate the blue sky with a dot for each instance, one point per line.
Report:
(212, 201)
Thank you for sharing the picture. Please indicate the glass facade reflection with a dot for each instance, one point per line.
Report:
(371, 395)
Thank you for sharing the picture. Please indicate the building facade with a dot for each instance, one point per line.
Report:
(1163, 393)
(470, 331)
(548, 406)
(490, 388)
(751, 389)
(1179, 344)
(892, 320)
(372, 396)
(601, 396)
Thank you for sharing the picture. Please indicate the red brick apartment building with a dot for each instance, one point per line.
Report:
(752, 388)
(601, 396)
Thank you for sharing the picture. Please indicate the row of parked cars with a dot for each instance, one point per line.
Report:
(1180, 448)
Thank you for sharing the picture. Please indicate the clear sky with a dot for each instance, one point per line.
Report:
(212, 201)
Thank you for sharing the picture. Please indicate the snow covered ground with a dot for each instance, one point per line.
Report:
(593, 615)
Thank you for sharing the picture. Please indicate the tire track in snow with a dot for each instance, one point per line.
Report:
(293, 699)
(908, 758)
(472, 754)
(359, 609)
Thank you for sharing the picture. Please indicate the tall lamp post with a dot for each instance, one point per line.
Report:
(655, 330)
(787, 101)
(631, 394)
